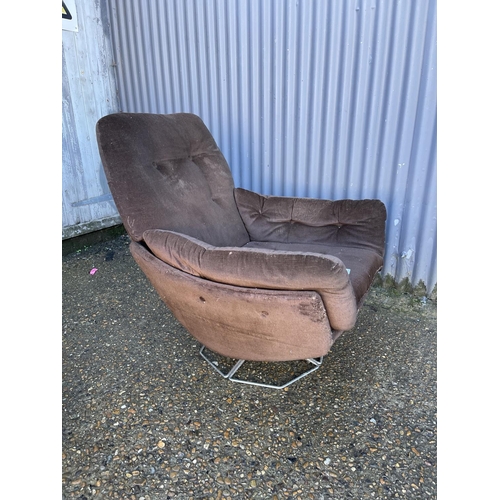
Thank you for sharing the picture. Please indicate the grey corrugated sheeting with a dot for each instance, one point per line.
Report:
(324, 99)
(88, 92)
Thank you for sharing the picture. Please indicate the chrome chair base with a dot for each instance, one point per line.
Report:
(316, 362)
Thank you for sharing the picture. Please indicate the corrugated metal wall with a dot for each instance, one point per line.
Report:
(88, 92)
(318, 98)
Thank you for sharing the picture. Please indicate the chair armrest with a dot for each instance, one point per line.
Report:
(261, 268)
(354, 223)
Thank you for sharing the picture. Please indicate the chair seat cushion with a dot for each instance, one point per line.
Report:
(362, 263)
(266, 268)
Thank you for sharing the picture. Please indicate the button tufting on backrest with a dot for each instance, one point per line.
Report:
(188, 190)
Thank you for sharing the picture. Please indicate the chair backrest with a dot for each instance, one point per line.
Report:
(167, 172)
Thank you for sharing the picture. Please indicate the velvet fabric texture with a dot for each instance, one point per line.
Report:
(341, 223)
(166, 172)
(262, 268)
(239, 322)
(263, 278)
(352, 231)
(363, 264)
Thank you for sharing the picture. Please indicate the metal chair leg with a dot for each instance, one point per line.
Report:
(231, 372)
(316, 362)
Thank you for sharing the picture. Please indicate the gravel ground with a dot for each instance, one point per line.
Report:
(145, 417)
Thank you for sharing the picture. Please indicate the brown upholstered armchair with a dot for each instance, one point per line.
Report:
(251, 277)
